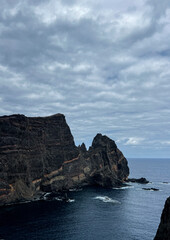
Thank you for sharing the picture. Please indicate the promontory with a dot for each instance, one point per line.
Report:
(38, 154)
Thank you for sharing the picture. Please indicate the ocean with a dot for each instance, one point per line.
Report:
(95, 213)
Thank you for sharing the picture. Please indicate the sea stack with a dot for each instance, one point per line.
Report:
(39, 154)
(163, 232)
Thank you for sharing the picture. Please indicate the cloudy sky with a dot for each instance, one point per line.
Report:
(105, 64)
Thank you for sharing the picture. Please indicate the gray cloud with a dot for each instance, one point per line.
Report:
(104, 64)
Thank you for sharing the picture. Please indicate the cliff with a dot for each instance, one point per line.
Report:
(163, 232)
(39, 154)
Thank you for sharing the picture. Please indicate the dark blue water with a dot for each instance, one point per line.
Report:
(134, 215)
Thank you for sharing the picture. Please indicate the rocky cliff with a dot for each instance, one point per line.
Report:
(163, 232)
(39, 154)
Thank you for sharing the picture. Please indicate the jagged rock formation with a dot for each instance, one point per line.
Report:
(163, 232)
(39, 154)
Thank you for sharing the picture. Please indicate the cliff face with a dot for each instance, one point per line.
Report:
(163, 232)
(39, 154)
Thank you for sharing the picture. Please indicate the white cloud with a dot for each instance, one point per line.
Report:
(165, 142)
(134, 141)
(82, 67)
(131, 141)
(51, 11)
(55, 65)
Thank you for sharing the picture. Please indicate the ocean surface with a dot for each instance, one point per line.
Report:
(129, 213)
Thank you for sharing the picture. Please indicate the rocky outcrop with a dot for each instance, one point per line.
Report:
(39, 154)
(163, 232)
(109, 166)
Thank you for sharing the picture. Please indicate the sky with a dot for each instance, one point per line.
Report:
(104, 64)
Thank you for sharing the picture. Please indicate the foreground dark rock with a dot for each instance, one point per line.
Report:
(163, 232)
(39, 155)
(138, 180)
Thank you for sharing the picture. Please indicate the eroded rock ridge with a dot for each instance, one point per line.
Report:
(39, 154)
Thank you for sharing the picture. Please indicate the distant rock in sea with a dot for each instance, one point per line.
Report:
(165, 182)
(151, 189)
(38, 154)
(163, 232)
(138, 180)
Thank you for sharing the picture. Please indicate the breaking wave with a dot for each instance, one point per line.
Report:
(164, 183)
(122, 188)
(71, 200)
(64, 200)
(107, 199)
(58, 199)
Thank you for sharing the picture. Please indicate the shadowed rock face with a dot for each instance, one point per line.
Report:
(163, 232)
(39, 154)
